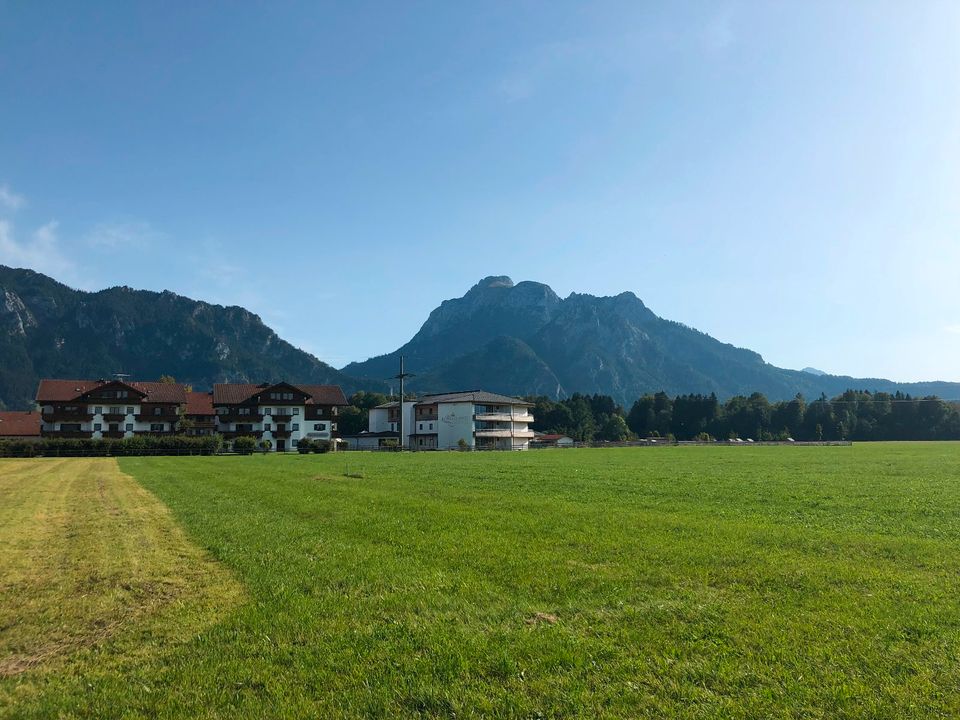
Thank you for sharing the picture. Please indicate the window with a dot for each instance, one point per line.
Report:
(431, 426)
(70, 427)
(296, 426)
(97, 427)
(421, 426)
(114, 411)
(320, 426)
(296, 411)
(266, 426)
(241, 427)
(293, 442)
(267, 411)
(243, 411)
(114, 427)
(156, 427)
(129, 427)
(121, 393)
(319, 412)
(273, 396)
(98, 410)
(157, 411)
(222, 411)
(129, 410)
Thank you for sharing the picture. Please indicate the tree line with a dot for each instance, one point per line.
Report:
(854, 415)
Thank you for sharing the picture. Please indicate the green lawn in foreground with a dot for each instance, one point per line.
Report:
(734, 582)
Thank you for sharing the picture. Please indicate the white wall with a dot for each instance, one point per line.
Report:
(454, 421)
(378, 421)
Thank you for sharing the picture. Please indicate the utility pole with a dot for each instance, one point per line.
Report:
(400, 377)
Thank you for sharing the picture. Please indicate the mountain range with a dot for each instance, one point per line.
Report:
(50, 330)
(513, 338)
(523, 339)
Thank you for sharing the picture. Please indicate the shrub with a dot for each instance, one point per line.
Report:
(304, 446)
(266, 445)
(245, 444)
(322, 446)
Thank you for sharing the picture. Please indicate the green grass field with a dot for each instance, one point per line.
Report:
(695, 582)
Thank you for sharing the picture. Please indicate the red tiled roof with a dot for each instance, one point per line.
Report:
(67, 390)
(19, 424)
(199, 403)
(235, 393)
(64, 390)
(324, 394)
(161, 392)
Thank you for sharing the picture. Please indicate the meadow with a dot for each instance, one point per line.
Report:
(687, 582)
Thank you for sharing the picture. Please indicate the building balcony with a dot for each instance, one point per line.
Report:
(280, 433)
(116, 434)
(504, 433)
(426, 418)
(68, 434)
(504, 417)
(224, 419)
(172, 418)
(66, 416)
(114, 417)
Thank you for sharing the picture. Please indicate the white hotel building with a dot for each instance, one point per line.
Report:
(482, 420)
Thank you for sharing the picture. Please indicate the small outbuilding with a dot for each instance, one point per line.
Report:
(371, 440)
(20, 425)
(551, 440)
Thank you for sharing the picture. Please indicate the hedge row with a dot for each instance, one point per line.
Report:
(137, 445)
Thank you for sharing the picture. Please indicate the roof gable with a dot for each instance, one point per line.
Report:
(238, 393)
(91, 391)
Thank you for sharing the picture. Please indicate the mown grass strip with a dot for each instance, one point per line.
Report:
(675, 582)
(88, 557)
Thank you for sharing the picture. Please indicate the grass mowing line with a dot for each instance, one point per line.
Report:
(676, 583)
(85, 554)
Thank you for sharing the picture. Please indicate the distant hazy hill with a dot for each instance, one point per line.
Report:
(49, 330)
(523, 339)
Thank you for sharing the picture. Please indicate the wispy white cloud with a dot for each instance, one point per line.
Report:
(40, 251)
(9, 200)
(123, 234)
(952, 329)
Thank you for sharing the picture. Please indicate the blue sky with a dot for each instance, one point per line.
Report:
(781, 175)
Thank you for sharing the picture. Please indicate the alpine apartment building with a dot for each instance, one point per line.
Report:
(482, 420)
(281, 412)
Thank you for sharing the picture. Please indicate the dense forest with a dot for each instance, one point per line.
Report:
(854, 415)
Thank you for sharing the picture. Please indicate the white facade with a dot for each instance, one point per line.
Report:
(379, 420)
(98, 425)
(455, 422)
(291, 417)
(480, 420)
